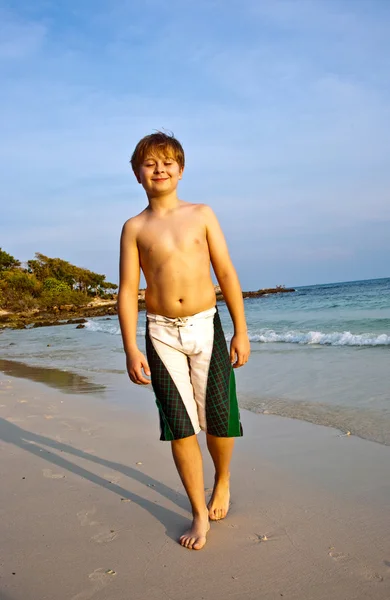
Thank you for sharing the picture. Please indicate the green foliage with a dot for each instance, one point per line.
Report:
(47, 282)
(55, 285)
(19, 290)
(20, 281)
(76, 278)
(51, 297)
(18, 301)
(44, 267)
(109, 287)
(7, 261)
(57, 293)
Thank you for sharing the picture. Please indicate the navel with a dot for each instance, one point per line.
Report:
(180, 300)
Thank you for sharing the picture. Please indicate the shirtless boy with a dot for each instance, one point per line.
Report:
(174, 242)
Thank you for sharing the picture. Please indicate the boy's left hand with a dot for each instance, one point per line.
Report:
(239, 350)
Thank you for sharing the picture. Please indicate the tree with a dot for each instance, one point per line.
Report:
(47, 282)
(109, 287)
(20, 281)
(19, 290)
(7, 261)
(76, 278)
(44, 267)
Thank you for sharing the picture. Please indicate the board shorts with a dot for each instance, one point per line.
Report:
(192, 377)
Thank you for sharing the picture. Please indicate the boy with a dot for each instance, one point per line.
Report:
(174, 242)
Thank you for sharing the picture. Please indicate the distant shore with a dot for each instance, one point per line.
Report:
(78, 315)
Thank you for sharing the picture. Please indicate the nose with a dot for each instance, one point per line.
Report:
(159, 167)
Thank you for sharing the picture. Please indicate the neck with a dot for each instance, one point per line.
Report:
(163, 203)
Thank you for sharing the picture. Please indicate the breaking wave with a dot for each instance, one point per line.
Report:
(335, 338)
(269, 336)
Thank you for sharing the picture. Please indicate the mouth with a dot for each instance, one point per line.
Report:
(160, 179)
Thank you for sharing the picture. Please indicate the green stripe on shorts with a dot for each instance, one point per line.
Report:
(222, 413)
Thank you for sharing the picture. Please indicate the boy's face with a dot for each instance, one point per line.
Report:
(159, 174)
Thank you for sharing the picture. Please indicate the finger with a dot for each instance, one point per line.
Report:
(232, 355)
(241, 360)
(133, 377)
(146, 367)
(139, 378)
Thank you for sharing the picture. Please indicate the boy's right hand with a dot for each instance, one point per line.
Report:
(136, 363)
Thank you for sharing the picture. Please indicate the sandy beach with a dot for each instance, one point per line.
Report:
(91, 507)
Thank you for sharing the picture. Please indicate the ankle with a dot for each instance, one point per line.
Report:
(200, 513)
(222, 477)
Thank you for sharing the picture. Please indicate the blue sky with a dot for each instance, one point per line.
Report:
(282, 106)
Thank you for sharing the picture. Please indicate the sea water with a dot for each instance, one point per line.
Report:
(320, 354)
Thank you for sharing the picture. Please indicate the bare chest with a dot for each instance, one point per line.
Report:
(159, 242)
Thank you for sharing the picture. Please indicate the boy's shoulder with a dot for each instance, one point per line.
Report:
(133, 223)
(203, 211)
(198, 207)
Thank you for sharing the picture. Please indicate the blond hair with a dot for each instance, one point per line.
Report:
(158, 143)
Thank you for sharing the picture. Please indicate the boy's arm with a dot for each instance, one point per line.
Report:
(230, 287)
(128, 304)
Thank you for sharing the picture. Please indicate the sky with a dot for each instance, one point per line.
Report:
(282, 106)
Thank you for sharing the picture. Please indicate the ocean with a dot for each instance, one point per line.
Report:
(320, 354)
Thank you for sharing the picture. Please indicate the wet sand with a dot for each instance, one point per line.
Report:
(92, 507)
(66, 381)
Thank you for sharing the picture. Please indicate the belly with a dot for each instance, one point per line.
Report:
(179, 297)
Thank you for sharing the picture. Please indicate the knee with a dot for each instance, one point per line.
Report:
(191, 439)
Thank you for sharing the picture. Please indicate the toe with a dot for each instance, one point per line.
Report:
(200, 542)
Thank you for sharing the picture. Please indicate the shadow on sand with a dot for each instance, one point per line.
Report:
(35, 444)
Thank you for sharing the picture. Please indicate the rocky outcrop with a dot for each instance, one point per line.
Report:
(280, 289)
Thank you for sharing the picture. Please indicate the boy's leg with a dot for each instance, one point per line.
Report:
(213, 380)
(179, 424)
(221, 450)
(188, 461)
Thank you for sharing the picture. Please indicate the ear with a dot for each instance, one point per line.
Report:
(181, 172)
(137, 177)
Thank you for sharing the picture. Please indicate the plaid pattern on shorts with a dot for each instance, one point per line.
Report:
(220, 400)
(222, 414)
(174, 420)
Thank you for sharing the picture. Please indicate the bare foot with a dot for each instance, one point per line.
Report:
(220, 500)
(195, 538)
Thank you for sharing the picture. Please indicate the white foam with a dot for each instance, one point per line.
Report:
(335, 338)
(111, 328)
(269, 336)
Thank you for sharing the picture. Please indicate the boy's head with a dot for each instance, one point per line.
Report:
(159, 145)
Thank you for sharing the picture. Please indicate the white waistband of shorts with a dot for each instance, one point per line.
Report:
(181, 321)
